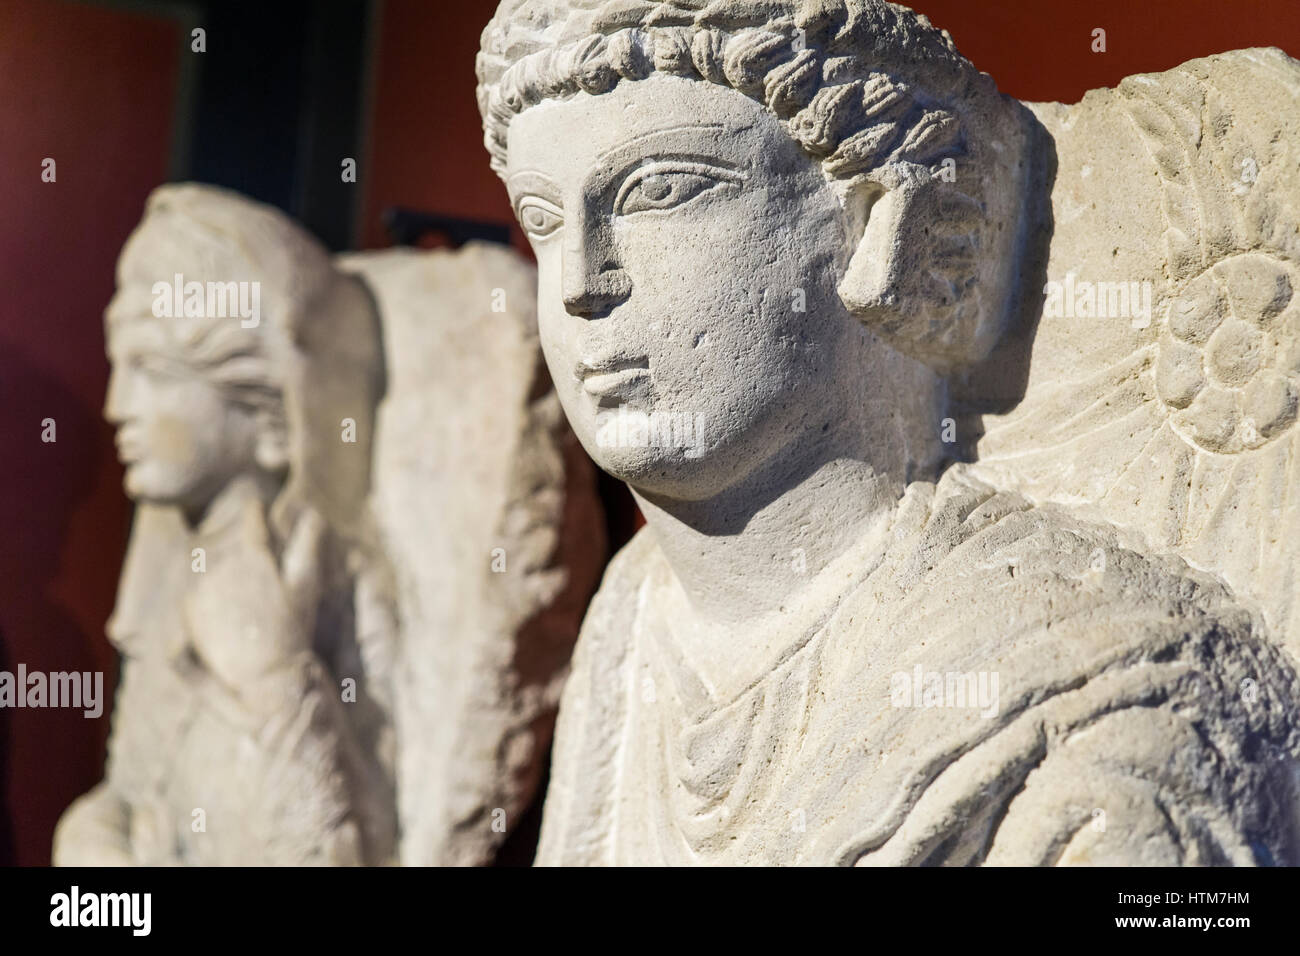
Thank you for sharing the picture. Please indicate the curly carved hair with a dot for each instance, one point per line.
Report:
(873, 92)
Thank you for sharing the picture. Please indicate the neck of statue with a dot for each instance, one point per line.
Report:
(748, 551)
(222, 511)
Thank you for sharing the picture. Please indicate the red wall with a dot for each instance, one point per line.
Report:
(426, 146)
(93, 88)
(1042, 49)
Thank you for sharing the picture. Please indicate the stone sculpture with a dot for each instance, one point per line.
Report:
(910, 591)
(486, 506)
(266, 654)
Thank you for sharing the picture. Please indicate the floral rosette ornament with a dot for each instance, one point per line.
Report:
(1229, 358)
(1184, 430)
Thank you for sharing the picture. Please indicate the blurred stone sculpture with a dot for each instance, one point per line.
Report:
(486, 506)
(238, 351)
(911, 590)
(258, 627)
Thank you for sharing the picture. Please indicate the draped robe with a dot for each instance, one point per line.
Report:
(1142, 716)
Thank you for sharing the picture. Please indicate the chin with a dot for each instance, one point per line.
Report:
(666, 472)
(143, 485)
(634, 465)
(135, 487)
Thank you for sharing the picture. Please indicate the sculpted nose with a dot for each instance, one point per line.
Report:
(593, 294)
(593, 283)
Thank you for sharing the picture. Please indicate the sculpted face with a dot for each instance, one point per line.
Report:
(688, 256)
(179, 438)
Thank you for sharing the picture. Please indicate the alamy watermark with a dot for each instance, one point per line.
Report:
(208, 300)
(625, 428)
(954, 689)
(1079, 298)
(74, 908)
(82, 690)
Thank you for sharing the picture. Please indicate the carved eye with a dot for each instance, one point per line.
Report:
(664, 186)
(155, 366)
(539, 218)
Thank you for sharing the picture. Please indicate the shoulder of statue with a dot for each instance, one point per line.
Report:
(615, 602)
(576, 823)
(1190, 765)
(1087, 769)
(974, 572)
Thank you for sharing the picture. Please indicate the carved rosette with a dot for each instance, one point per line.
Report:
(1189, 438)
(1229, 357)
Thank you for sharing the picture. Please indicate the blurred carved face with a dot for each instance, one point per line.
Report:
(180, 439)
(688, 255)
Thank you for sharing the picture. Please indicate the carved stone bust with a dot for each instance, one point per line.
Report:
(801, 272)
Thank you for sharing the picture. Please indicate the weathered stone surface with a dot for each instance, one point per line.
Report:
(487, 508)
(1175, 418)
(797, 261)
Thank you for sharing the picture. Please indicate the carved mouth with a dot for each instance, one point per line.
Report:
(613, 378)
(128, 448)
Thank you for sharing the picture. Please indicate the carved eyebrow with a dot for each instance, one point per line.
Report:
(685, 127)
(612, 164)
(122, 308)
(532, 182)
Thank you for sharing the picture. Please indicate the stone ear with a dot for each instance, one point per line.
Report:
(875, 272)
(889, 284)
(914, 276)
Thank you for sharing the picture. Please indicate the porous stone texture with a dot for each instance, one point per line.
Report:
(292, 692)
(1178, 422)
(942, 565)
(487, 509)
